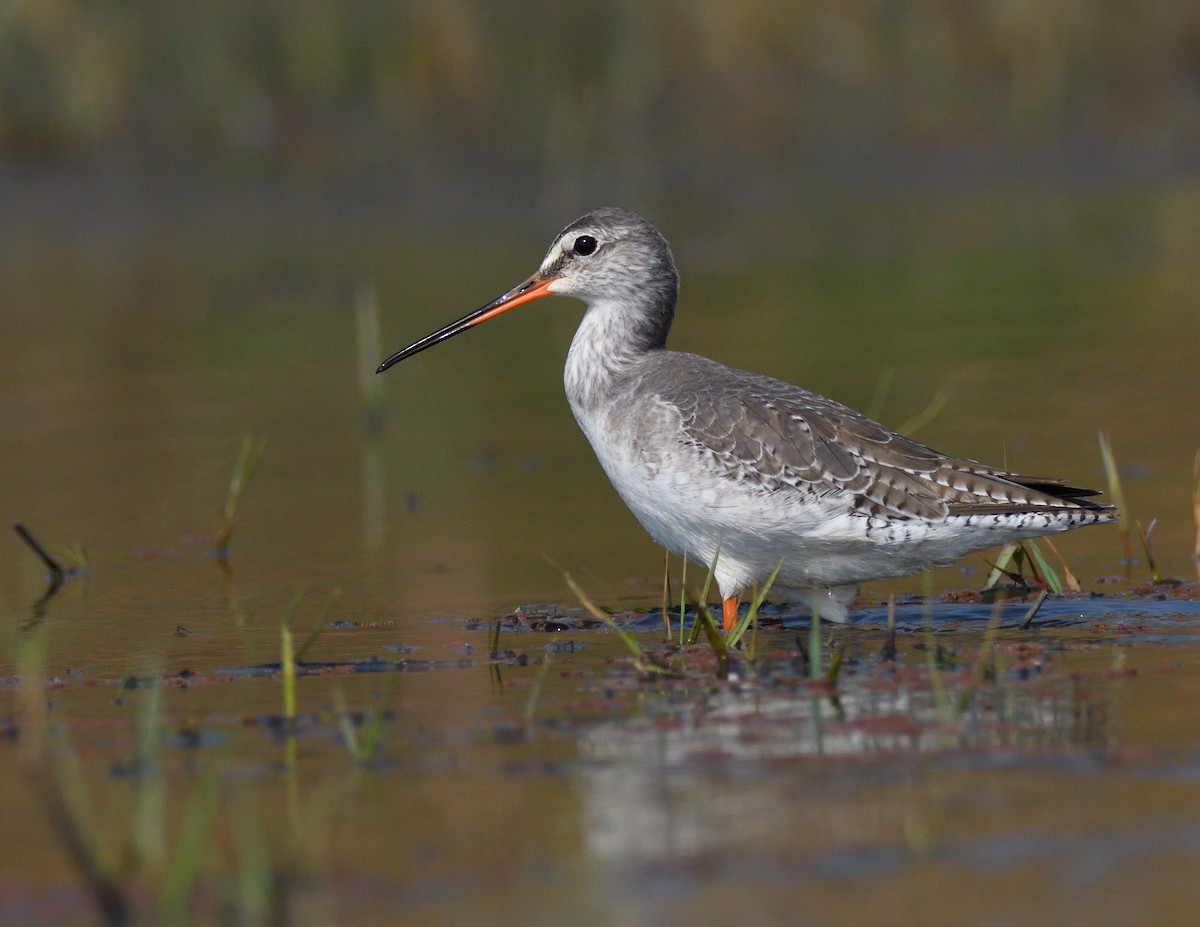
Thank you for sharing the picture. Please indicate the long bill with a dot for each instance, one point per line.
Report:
(533, 288)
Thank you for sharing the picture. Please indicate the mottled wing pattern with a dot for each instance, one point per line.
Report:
(753, 429)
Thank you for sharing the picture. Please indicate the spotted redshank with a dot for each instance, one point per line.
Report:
(744, 472)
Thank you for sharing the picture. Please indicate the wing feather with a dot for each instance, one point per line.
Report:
(754, 429)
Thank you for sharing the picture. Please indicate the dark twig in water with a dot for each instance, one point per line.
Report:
(58, 576)
(37, 611)
(1033, 609)
(802, 650)
(57, 573)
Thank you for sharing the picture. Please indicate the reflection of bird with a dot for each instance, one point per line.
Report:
(748, 472)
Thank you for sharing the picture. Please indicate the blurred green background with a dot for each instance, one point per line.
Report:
(436, 111)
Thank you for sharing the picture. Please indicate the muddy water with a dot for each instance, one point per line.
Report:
(516, 791)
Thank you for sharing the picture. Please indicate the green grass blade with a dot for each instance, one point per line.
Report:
(322, 622)
(835, 665)
(627, 639)
(732, 638)
(1144, 534)
(191, 848)
(287, 663)
(149, 835)
(702, 610)
(247, 463)
(1049, 574)
(1117, 494)
(243, 471)
(1002, 560)
(715, 638)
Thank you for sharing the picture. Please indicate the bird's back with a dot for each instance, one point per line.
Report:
(756, 431)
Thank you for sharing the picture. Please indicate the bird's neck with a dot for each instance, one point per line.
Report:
(609, 342)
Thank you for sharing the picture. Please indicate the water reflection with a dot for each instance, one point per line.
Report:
(697, 774)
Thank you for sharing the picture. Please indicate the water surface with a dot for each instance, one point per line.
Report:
(513, 791)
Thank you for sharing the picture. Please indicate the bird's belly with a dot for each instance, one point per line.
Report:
(744, 529)
(816, 540)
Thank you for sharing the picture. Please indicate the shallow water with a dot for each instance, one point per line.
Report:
(553, 780)
(513, 790)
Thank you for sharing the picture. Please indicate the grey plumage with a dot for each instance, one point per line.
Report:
(759, 430)
(744, 471)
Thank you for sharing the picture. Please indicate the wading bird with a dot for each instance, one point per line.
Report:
(745, 472)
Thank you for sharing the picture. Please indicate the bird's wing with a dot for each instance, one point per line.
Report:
(755, 429)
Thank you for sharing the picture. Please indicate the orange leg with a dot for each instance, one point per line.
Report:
(729, 615)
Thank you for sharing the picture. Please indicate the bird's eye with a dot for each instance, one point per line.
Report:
(584, 245)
